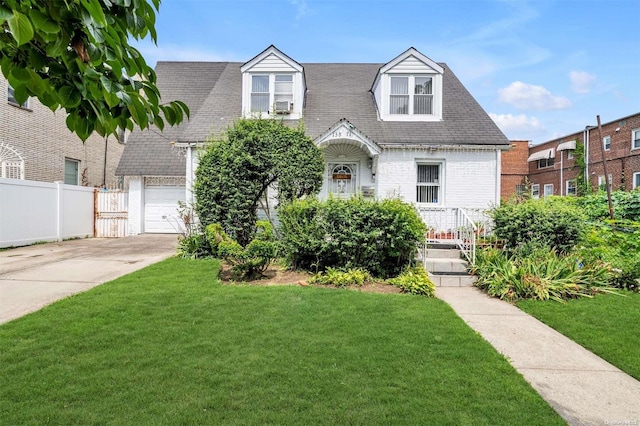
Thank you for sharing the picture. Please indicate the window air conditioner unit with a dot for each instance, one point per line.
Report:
(283, 107)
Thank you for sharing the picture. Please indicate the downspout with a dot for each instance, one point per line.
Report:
(498, 174)
(586, 155)
(561, 173)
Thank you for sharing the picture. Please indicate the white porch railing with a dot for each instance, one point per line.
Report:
(458, 226)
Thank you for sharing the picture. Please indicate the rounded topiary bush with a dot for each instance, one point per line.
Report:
(553, 223)
(378, 236)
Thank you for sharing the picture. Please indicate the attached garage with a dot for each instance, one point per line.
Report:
(161, 208)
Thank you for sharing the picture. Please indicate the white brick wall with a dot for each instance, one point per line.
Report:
(470, 177)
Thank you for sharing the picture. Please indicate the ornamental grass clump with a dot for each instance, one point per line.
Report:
(541, 274)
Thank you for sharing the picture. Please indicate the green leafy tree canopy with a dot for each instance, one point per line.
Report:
(235, 172)
(75, 55)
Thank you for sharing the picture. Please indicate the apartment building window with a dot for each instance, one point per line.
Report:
(545, 162)
(635, 139)
(636, 180)
(548, 189)
(569, 155)
(521, 190)
(572, 188)
(602, 182)
(11, 98)
(535, 190)
(606, 143)
(71, 168)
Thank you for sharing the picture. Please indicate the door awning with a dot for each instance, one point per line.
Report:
(566, 145)
(544, 154)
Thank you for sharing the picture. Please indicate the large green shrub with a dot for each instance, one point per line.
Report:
(618, 245)
(626, 205)
(235, 172)
(554, 222)
(379, 236)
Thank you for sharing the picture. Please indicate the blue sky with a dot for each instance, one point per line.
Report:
(541, 69)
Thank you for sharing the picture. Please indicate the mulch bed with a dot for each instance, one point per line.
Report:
(278, 275)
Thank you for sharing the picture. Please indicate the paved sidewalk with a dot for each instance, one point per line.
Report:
(583, 388)
(35, 276)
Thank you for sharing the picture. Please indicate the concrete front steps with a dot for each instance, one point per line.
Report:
(446, 267)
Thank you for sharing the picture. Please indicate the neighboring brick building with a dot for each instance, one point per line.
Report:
(514, 170)
(552, 168)
(48, 150)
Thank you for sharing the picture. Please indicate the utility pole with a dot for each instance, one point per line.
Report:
(604, 166)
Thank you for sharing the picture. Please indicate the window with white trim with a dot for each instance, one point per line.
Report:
(428, 183)
(606, 143)
(260, 93)
(602, 182)
(71, 168)
(572, 187)
(411, 95)
(535, 190)
(521, 190)
(569, 155)
(271, 93)
(636, 180)
(548, 189)
(635, 139)
(11, 98)
(543, 163)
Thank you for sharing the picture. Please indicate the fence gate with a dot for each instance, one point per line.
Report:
(110, 213)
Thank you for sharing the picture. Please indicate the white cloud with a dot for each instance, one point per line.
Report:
(530, 97)
(510, 123)
(581, 81)
(302, 9)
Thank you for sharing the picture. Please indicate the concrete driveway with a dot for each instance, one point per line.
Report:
(35, 276)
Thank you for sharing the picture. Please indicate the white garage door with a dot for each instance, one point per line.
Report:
(161, 209)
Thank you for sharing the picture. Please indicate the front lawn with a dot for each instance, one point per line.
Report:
(170, 345)
(607, 325)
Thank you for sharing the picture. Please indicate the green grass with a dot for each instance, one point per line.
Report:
(170, 345)
(607, 325)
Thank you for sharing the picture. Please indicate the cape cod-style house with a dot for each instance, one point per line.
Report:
(406, 128)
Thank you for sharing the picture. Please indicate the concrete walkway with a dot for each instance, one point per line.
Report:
(34, 276)
(583, 388)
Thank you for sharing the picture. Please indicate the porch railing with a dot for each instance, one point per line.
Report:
(457, 226)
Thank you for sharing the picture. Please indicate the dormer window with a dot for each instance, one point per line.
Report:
(272, 93)
(409, 88)
(418, 101)
(272, 83)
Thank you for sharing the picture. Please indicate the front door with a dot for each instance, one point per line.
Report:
(343, 179)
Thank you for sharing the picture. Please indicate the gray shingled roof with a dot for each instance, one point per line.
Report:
(213, 92)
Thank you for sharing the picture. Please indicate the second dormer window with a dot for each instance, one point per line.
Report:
(411, 95)
(271, 93)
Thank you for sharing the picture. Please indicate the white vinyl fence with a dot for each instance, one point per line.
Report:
(40, 211)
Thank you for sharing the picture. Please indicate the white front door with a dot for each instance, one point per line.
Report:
(342, 179)
(161, 209)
